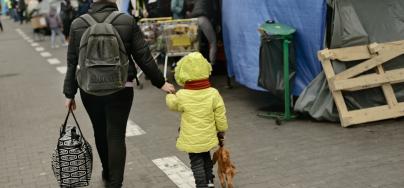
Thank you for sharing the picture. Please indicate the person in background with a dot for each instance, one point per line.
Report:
(55, 25)
(22, 6)
(152, 8)
(178, 9)
(139, 10)
(164, 8)
(1, 25)
(13, 10)
(204, 11)
(41, 10)
(67, 16)
(84, 6)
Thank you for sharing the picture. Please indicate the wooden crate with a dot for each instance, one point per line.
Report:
(374, 56)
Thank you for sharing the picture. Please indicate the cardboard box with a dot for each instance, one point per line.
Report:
(38, 22)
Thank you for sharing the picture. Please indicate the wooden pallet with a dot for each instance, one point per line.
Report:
(374, 56)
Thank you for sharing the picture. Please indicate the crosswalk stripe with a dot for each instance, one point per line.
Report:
(39, 49)
(34, 44)
(46, 54)
(177, 171)
(133, 129)
(53, 61)
(62, 69)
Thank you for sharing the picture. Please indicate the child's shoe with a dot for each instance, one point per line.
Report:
(211, 185)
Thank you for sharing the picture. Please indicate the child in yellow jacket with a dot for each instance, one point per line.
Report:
(203, 115)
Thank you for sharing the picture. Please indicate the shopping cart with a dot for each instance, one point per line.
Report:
(181, 38)
(152, 31)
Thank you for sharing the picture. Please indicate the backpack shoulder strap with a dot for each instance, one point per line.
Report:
(112, 17)
(88, 19)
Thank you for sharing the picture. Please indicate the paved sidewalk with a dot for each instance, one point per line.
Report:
(298, 154)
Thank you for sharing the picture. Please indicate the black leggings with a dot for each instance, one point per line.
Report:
(202, 168)
(109, 115)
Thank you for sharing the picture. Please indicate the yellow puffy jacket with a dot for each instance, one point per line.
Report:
(203, 111)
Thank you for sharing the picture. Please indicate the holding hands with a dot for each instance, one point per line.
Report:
(168, 88)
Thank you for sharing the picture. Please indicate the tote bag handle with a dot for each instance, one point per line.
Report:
(63, 128)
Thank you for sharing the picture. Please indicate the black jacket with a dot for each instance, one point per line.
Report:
(131, 36)
(203, 8)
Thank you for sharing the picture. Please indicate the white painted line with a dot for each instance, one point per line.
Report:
(30, 41)
(46, 54)
(39, 49)
(34, 44)
(62, 69)
(132, 129)
(177, 171)
(53, 61)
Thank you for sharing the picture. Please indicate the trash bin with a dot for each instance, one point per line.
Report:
(277, 64)
(273, 50)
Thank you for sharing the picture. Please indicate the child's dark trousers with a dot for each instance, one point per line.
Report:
(202, 168)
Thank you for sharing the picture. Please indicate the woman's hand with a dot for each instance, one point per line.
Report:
(168, 88)
(70, 104)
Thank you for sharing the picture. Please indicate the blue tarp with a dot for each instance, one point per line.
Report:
(242, 18)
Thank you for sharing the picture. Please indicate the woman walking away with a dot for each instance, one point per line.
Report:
(55, 25)
(203, 115)
(106, 97)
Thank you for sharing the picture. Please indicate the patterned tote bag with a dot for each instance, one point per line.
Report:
(72, 160)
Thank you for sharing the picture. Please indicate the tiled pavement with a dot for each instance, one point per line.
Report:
(298, 154)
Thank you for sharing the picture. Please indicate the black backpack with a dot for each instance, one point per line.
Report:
(103, 61)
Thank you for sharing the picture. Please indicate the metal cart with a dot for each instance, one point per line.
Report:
(181, 38)
(152, 30)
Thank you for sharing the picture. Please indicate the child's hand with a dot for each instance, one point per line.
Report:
(220, 136)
